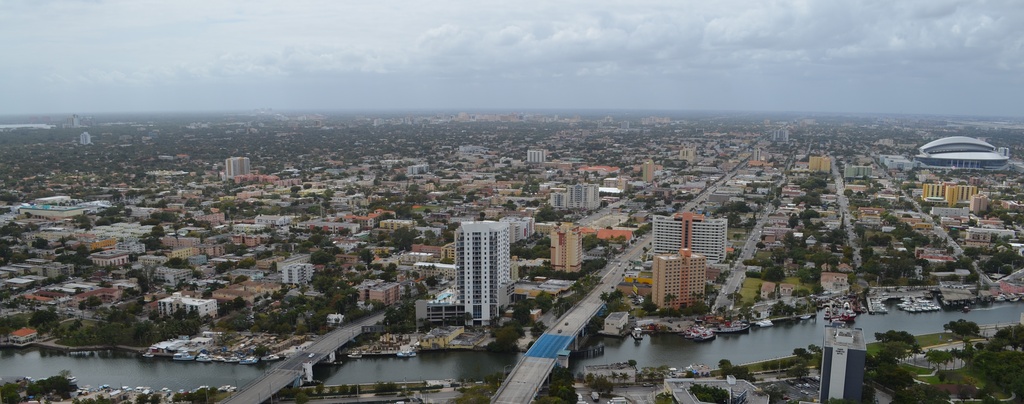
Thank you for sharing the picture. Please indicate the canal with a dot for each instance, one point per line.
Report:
(122, 369)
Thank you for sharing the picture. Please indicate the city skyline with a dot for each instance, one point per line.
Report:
(924, 57)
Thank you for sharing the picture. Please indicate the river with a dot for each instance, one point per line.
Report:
(122, 369)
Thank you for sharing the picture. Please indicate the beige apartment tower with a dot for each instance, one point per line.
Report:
(679, 279)
(566, 248)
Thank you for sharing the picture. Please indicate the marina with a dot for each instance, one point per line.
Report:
(120, 368)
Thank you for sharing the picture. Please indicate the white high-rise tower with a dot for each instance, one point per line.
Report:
(484, 269)
(85, 138)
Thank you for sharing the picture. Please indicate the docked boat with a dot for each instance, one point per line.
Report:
(966, 309)
(805, 317)
(637, 334)
(764, 323)
(73, 381)
(270, 358)
(252, 360)
(148, 355)
(406, 354)
(355, 355)
(692, 332)
(732, 327)
(706, 336)
(232, 359)
(183, 356)
(203, 358)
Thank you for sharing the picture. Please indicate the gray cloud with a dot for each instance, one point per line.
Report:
(937, 56)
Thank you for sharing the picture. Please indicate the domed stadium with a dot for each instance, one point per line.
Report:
(961, 152)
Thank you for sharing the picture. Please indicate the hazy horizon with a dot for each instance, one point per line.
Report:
(927, 57)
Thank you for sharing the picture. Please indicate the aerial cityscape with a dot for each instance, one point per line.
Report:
(550, 202)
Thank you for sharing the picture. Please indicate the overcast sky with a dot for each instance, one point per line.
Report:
(905, 56)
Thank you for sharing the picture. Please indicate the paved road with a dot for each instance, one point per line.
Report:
(285, 372)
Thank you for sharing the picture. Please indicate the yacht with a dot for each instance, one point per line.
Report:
(407, 354)
(270, 358)
(252, 360)
(764, 323)
(731, 327)
(637, 334)
(183, 356)
(355, 355)
(148, 355)
(705, 336)
(203, 358)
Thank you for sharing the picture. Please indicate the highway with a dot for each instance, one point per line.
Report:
(284, 373)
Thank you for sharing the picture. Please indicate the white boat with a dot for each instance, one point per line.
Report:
(805, 317)
(764, 323)
(355, 355)
(183, 356)
(270, 358)
(637, 334)
(203, 358)
(231, 359)
(252, 360)
(148, 355)
(406, 354)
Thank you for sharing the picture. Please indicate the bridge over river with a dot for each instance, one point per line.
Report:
(290, 371)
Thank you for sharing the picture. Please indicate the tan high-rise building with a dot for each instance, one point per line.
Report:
(679, 279)
(979, 203)
(688, 154)
(566, 248)
(820, 164)
(235, 166)
(648, 169)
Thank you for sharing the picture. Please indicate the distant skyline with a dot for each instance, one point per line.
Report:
(899, 57)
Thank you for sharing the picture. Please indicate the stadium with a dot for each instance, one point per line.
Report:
(961, 152)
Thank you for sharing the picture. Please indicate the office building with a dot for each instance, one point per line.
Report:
(417, 169)
(678, 279)
(842, 363)
(693, 232)
(648, 171)
(297, 274)
(85, 138)
(536, 156)
(235, 166)
(566, 248)
(484, 269)
(819, 164)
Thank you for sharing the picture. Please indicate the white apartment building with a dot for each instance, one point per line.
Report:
(297, 273)
(173, 276)
(204, 307)
(536, 156)
(519, 228)
(579, 196)
(484, 277)
(691, 231)
(235, 166)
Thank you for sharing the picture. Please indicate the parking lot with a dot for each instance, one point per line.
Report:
(803, 389)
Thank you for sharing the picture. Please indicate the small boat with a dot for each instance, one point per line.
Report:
(406, 354)
(805, 317)
(72, 380)
(966, 309)
(355, 355)
(252, 360)
(638, 334)
(203, 358)
(232, 359)
(148, 355)
(270, 358)
(764, 323)
(183, 356)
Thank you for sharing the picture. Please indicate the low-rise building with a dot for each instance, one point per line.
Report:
(112, 258)
(616, 372)
(24, 335)
(441, 337)
(615, 323)
(203, 307)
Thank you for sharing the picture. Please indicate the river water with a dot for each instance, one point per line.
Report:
(122, 369)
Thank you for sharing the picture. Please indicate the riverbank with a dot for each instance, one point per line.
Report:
(53, 345)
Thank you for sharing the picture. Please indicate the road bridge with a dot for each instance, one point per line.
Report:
(526, 379)
(289, 372)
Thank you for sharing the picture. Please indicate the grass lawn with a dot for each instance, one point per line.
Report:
(763, 255)
(736, 234)
(935, 339)
(749, 289)
(917, 370)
